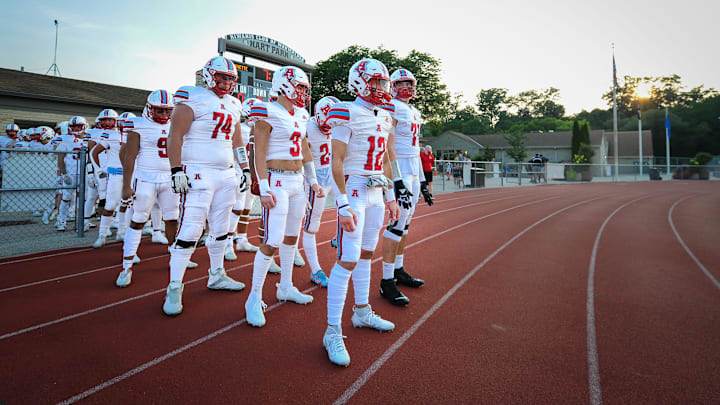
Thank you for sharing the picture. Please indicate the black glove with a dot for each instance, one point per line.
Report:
(402, 195)
(180, 182)
(429, 200)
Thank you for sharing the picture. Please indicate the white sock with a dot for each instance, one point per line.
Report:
(131, 243)
(260, 269)
(337, 292)
(241, 237)
(105, 222)
(310, 246)
(398, 261)
(122, 225)
(233, 222)
(63, 210)
(179, 259)
(388, 270)
(216, 252)
(361, 282)
(287, 258)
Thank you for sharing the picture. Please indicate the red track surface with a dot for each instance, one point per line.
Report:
(504, 317)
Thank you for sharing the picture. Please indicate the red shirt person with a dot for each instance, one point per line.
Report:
(428, 164)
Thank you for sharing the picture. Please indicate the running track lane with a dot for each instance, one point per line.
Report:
(110, 332)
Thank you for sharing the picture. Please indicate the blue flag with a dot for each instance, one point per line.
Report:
(667, 125)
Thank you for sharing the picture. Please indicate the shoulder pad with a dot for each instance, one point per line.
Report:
(303, 114)
(389, 107)
(339, 114)
(258, 111)
(183, 94)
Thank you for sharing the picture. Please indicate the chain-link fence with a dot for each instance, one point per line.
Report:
(31, 190)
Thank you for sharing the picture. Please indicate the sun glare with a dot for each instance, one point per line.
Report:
(643, 90)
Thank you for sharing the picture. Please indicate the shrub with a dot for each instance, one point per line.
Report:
(703, 158)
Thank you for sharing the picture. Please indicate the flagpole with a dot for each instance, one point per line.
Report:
(615, 133)
(667, 144)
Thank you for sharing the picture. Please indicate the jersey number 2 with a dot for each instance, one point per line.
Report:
(325, 157)
(224, 125)
(376, 158)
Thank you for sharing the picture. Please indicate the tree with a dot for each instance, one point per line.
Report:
(491, 103)
(432, 98)
(575, 140)
(517, 146)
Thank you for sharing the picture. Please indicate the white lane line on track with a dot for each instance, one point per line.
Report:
(365, 377)
(593, 365)
(167, 254)
(116, 303)
(218, 332)
(251, 221)
(687, 249)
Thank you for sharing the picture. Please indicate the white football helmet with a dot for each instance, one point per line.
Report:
(220, 75)
(402, 75)
(121, 120)
(46, 134)
(77, 125)
(247, 105)
(21, 134)
(12, 130)
(107, 118)
(322, 108)
(292, 83)
(365, 71)
(159, 106)
(28, 134)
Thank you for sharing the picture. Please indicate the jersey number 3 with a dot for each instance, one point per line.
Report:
(372, 157)
(295, 138)
(224, 124)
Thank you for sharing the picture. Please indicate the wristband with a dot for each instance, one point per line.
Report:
(389, 195)
(343, 206)
(264, 187)
(174, 170)
(396, 170)
(310, 175)
(240, 154)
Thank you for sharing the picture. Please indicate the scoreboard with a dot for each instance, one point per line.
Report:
(253, 81)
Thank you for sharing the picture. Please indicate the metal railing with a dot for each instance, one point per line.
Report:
(29, 189)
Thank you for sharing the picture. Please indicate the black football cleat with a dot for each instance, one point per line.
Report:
(404, 278)
(389, 291)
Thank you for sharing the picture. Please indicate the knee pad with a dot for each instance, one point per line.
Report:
(216, 241)
(183, 244)
(393, 232)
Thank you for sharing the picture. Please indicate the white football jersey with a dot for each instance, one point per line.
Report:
(69, 143)
(320, 145)
(111, 140)
(288, 129)
(369, 127)
(21, 144)
(35, 145)
(208, 142)
(407, 129)
(152, 163)
(5, 141)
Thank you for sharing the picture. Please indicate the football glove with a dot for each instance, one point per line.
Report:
(429, 200)
(402, 195)
(180, 184)
(244, 181)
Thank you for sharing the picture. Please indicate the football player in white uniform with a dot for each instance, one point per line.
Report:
(240, 215)
(281, 152)
(51, 213)
(407, 171)
(360, 132)
(79, 128)
(7, 141)
(205, 129)
(318, 134)
(112, 173)
(68, 165)
(23, 139)
(146, 175)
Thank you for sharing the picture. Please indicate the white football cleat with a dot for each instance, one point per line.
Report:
(147, 230)
(292, 294)
(274, 268)
(245, 246)
(298, 261)
(60, 227)
(124, 278)
(254, 308)
(335, 346)
(366, 318)
(229, 252)
(173, 299)
(136, 260)
(99, 242)
(219, 280)
(45, 218)
(158, 237)
(53, 214)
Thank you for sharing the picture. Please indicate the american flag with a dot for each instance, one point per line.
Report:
(614, 73)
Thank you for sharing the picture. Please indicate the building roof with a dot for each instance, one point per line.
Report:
(33, 85)
(537, 139)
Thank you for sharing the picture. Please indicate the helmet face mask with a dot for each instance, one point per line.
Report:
(77, 125)
(12, 130)
(292, 83)
(369, 80)
(159, 107)
(403, 84)
(108, 123)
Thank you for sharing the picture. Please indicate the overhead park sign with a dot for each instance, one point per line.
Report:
(262, 48)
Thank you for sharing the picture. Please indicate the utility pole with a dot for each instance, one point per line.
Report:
(54, 66)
